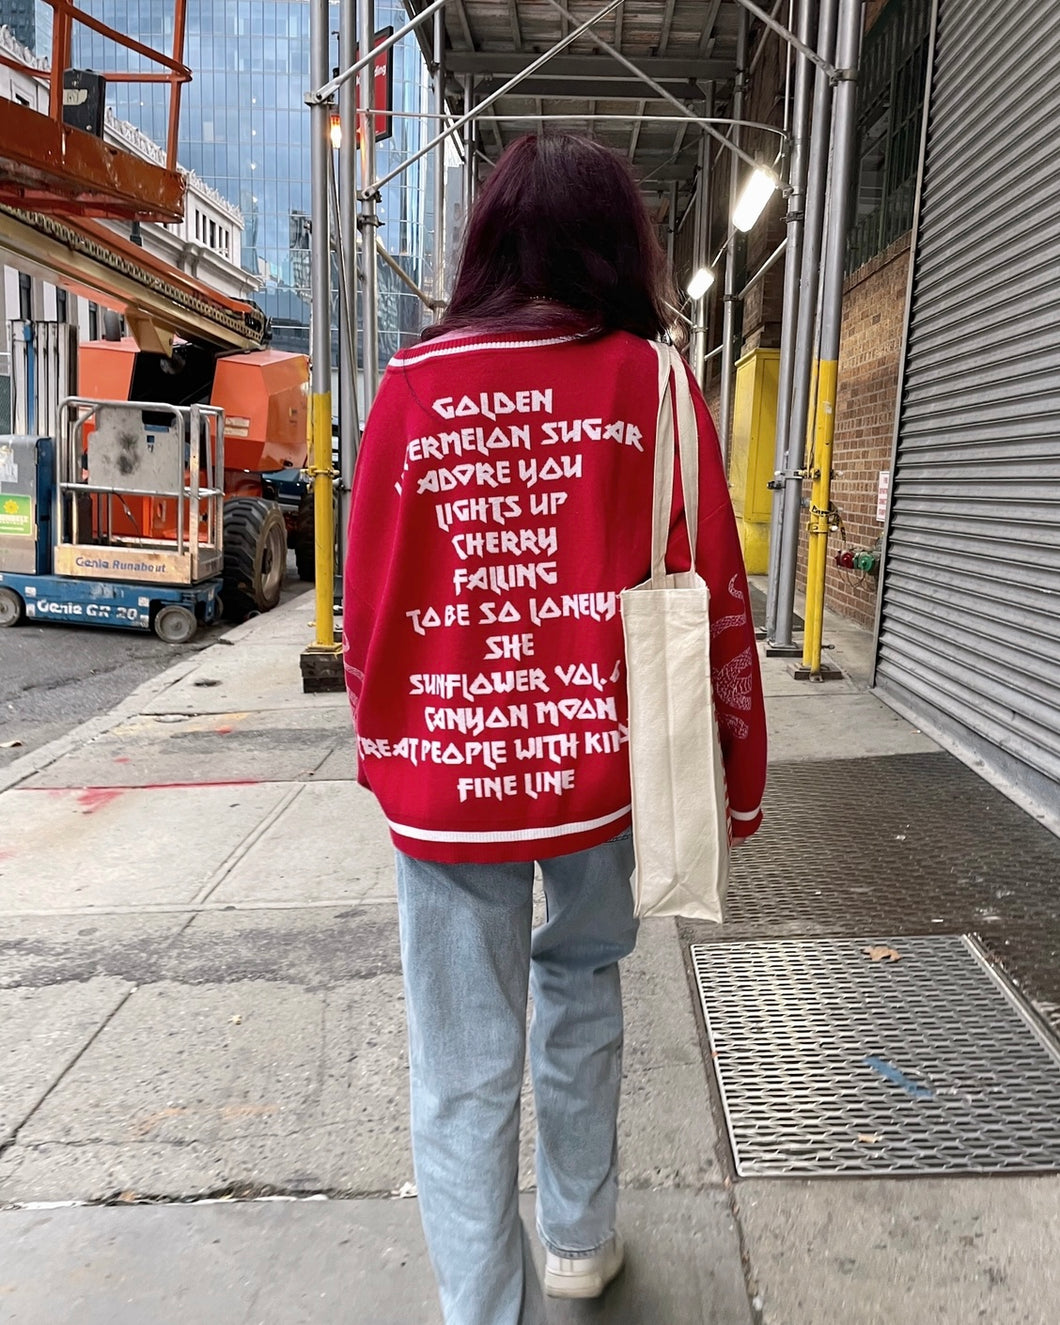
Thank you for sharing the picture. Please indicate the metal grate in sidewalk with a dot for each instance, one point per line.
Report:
(834, 1060)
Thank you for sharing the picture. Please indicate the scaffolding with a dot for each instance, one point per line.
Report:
(664, 83)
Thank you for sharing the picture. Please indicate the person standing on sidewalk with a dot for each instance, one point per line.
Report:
(502, 501)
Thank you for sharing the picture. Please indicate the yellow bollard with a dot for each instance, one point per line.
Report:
(321, 661)
(324, 521)
(820, 501)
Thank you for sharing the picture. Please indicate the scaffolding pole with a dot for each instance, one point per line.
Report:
(438, 287)
(802, 371)
(848, 49)
(800, 123)
(322, 662)
(349, 414)
(469, 148)
(368, 220)
(729, 298)
(701, 245)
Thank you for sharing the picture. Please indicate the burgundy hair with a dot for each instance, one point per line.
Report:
(559, 236)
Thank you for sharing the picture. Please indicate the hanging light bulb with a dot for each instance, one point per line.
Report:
(700, 283)
(751, 203)
(335, 129)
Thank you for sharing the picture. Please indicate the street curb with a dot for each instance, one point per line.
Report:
(132, 705)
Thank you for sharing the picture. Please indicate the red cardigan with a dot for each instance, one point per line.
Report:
(502, 500)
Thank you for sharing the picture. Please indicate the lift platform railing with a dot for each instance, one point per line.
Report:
(175, 72)
(48, 165)
(137, 493)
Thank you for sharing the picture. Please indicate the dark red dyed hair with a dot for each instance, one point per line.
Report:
(559, 235)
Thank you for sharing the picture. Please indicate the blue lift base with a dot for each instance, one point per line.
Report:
(109, 603)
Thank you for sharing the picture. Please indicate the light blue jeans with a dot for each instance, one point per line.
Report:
(469, 955)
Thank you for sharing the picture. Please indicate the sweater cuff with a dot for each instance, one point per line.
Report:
(743, 825)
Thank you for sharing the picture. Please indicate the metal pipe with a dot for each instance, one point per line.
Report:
(848, 48)
(813, 227)
(61, 26)
(346, 304)
(701, 246)
(320, 331)
(574, 115)
(820, 61)
(368, 221)
(502, 91)
(763, 42)
(469, 148)
(769, 263)
(402, 274)
(339, 244)
(787, 72)
(792, 273)
(732, 142)
(175, 84)
(728, 332)
(439, 160)
(327, 90)
(346, 243)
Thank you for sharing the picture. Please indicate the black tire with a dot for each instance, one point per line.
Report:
(255, 543)
(175, 624)
(305, 539)
(12, 608)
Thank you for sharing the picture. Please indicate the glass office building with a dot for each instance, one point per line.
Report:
(30, 22)
(245, 130)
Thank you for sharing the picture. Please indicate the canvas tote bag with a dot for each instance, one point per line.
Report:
(680, 810)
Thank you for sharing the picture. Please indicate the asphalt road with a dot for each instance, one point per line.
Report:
(53, 677)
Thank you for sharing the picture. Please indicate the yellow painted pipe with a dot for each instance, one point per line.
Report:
(820, 501)
(323, 520)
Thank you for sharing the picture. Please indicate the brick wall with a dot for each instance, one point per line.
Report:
(869, 356)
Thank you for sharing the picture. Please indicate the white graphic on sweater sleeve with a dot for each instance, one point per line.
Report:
(735, 619)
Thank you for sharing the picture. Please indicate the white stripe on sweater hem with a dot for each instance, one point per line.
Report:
(464, 348)
(510, 835)
(738, 814)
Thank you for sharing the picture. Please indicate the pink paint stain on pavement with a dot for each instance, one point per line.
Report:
(92, 799)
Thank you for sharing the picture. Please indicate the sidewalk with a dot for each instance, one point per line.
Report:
(203, 1103)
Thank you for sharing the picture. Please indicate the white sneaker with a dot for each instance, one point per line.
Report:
(583, 1276)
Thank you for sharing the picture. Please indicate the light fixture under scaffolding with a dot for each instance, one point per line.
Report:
(699, 283)
(751, 203)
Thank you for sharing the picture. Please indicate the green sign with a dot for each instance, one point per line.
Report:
(16, 514)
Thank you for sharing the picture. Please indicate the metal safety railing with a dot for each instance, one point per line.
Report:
(174, 71)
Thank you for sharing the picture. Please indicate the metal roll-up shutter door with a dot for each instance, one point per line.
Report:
(969, 641)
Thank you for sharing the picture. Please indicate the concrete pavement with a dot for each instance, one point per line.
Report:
(203, 1099)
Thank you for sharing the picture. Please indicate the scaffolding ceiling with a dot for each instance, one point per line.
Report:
(686, 46)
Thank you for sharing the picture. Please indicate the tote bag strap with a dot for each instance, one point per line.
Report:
(670, 365)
